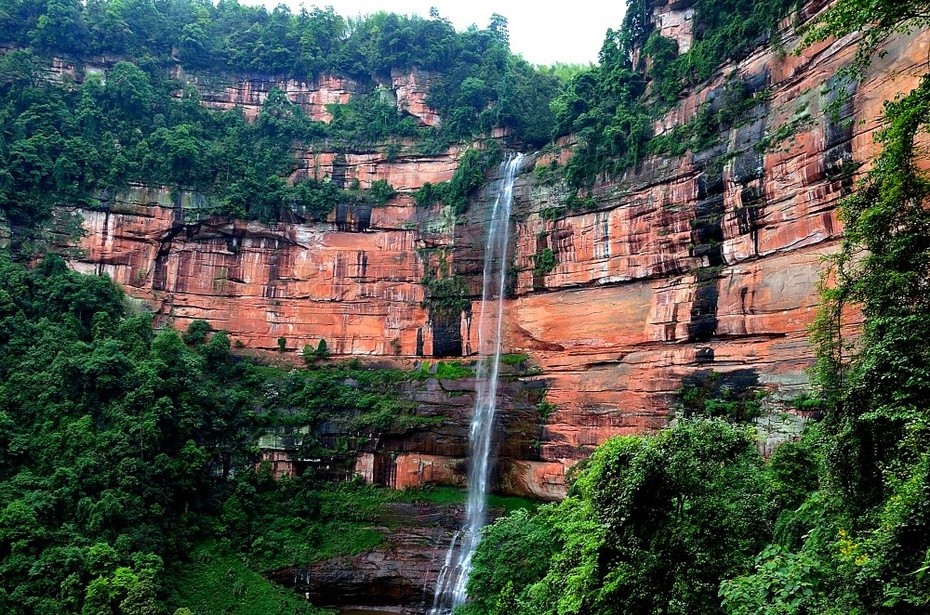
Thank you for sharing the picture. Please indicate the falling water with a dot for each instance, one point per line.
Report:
(450, 586)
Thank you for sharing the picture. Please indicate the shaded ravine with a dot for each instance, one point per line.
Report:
(453, 578)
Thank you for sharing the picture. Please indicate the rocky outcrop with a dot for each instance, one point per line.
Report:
(675, 20)
(688, 264)
(710, 261)
(408, 88)
(411, 89)
(437, 454)
(250, 94)
(360, 291)
(404, 172)
(398, 577)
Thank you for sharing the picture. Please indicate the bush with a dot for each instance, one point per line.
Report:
(196, 333)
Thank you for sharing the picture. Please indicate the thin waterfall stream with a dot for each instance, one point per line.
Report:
(453, 578)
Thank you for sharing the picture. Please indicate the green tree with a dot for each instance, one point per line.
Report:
(128, 90)
(61, 26)
(875, 20)
(652, 524)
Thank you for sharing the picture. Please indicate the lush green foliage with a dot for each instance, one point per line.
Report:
(469, 176)
(481, 84)
(653, 524)
(78, 145)
(125, 447)
(217, 580)
(711, 394)
(544, 262)
(876, 392)
(515, 359)
(610, 108)
(725, 30)
(453, 370)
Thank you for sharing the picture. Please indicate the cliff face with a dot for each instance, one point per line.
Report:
(360, 291)
(683, 265)
(407, 89)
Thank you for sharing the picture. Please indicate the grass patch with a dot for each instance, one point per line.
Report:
(514, 360)
(453, 370)
(511, 503)
(291, 542)
(218, 581)
(298, 524)
(445, 370)
(447, 496)
(451, 496)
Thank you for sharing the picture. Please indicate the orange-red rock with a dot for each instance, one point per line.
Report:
(250, 94)
(411, 89)
(615, 325)
(648, 287)
(404, 172)
(360, 292)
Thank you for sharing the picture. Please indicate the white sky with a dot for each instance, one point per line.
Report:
(543, 32)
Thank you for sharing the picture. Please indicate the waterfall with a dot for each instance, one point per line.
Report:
(450, 586)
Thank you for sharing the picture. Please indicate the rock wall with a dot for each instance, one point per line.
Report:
(683, 265)
(407, 89)
(360, 291)
(250, 94)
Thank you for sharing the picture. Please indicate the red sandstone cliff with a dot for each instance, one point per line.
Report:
(679, 266)
(678, 269)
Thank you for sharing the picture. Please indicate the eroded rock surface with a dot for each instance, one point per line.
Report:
(689, 264)
(706, 262)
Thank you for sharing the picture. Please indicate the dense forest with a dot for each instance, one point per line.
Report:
(129, 480)
(694, 520)
(75, 143)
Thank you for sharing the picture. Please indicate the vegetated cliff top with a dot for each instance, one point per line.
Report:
(67, 143)
(479, 83)
(70, 143)
(661, 50)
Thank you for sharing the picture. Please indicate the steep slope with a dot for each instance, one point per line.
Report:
(685, 265)
(705, 261)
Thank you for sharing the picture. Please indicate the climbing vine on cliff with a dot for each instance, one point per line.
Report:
(878, 464)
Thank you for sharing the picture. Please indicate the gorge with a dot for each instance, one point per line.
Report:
(384, 303)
